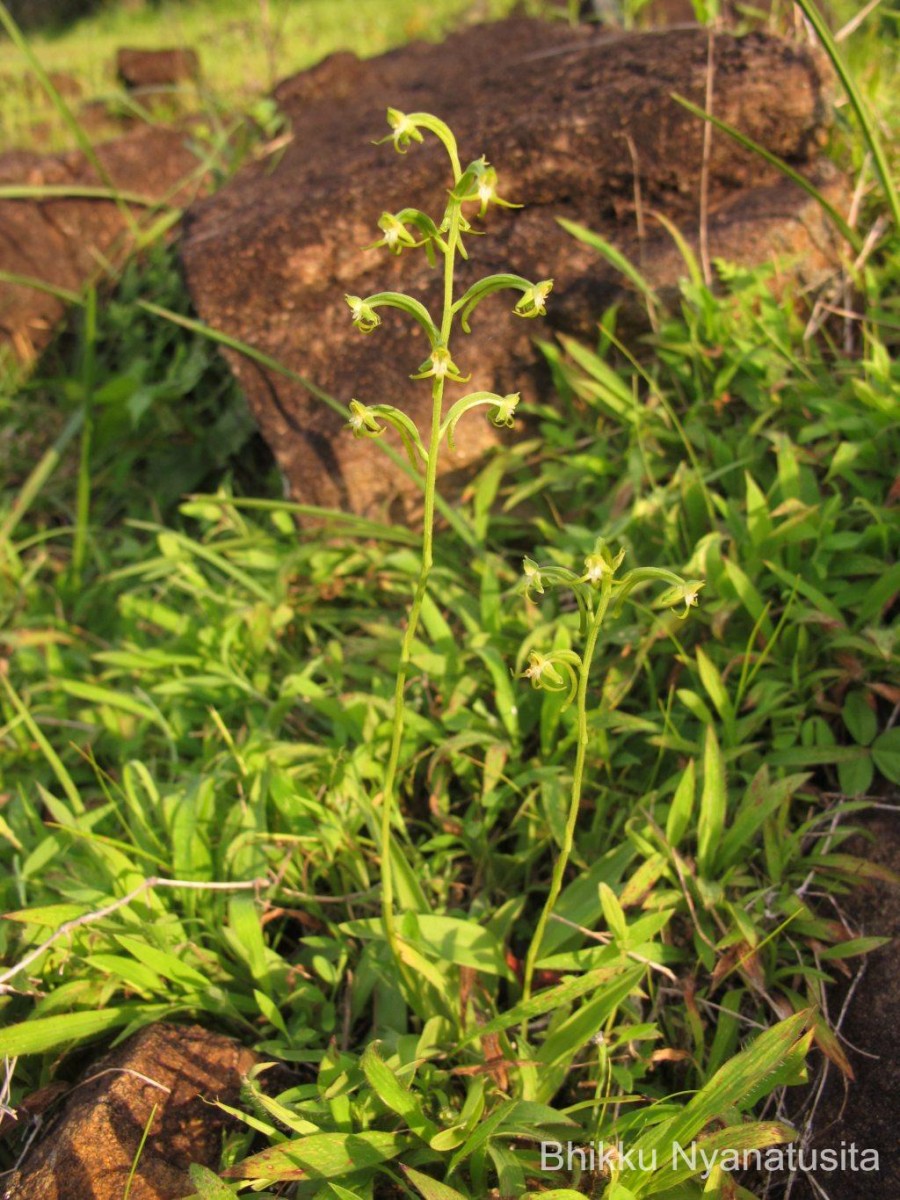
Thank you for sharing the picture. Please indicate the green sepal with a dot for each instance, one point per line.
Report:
(486, 287)
(406, 304)
(504, 407)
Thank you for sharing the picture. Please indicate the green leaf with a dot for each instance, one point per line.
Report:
(886, 753)
(761, 801)
(546, 1001)
(482, 1133)
(133, 974)
(391, 1092)
(773, 1059)
(555, 1194)
(613, 256)
(573, 1035)
(612, 911)
(728, 1029)
(619, 1191)
(504, 692)
(695, 1157)
(105, 697)
(868, 122)
(759, 523)
(289, 1118)
(749, 596)
(713, 804)
(712, 682)
(860, 718)
(605, 384)
(48, 915)
(431, 1189)
(815, 756)
(863, 945)
(244, 923)
(684, 247)
(319, 1156)
(855, 776)
(640, 883)
(209, 1186)
(41, 1034)
(169, 966)
(741, 138)
(449, 939)
(679, 817)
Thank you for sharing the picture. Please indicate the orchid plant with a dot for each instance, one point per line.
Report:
(595, 589)
(443, 242)
(567, 672)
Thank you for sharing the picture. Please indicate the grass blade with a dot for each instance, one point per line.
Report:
(851, 236)
(866, 123)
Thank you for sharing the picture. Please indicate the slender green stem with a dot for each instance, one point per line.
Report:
(562, 861)
(388, 803)
(83, 502)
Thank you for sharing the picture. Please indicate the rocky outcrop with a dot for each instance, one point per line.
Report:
(61, 241)
(573, 119)
(87, 1149)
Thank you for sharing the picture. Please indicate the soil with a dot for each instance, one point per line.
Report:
(864, 1113)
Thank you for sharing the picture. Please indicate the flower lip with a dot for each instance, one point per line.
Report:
(364, 317)
(481, 177)
(537, 665)
(595, 568)
(504, 412)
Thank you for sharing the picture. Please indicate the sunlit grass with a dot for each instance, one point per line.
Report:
(244, 46)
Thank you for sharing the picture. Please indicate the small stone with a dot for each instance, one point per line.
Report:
(153, 69)
(87, 1150)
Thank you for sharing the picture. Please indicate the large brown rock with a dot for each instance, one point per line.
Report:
(87, 1151)
(568, 117)
(63, 241)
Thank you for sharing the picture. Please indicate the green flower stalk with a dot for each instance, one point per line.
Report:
(564, 671)
(443, 242)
